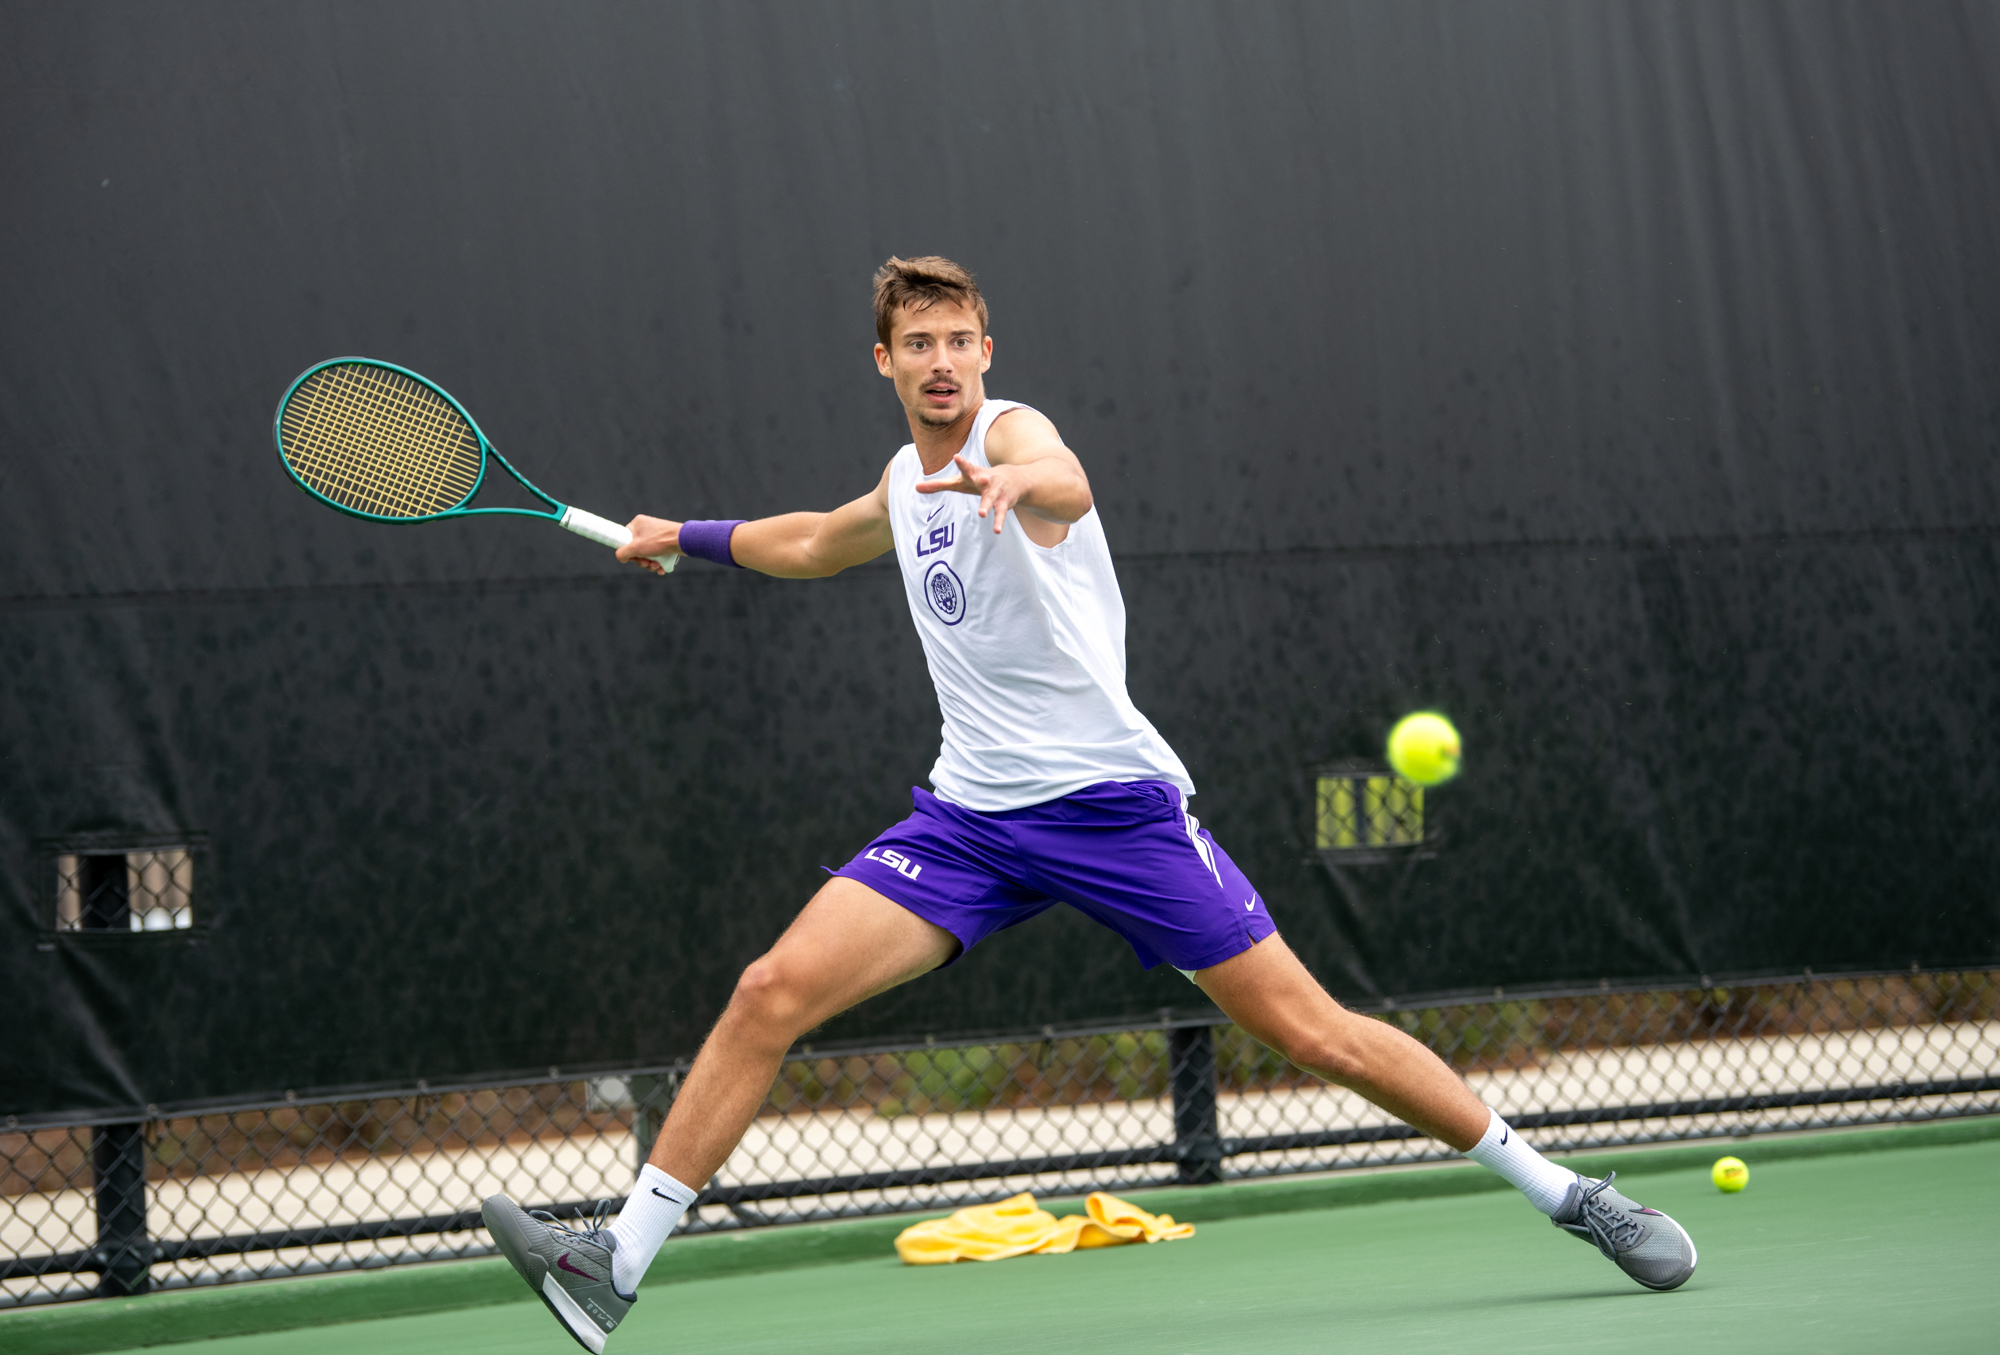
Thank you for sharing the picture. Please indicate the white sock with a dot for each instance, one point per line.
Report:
(1506, 1152)
(643, 1224)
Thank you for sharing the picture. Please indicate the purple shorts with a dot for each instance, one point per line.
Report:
(1126, 853)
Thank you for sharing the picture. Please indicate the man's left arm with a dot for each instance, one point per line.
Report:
(1031, 473)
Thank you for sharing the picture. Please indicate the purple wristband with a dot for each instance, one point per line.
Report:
(710, 541)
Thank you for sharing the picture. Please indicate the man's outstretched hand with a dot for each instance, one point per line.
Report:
(999, 488)
(651, 536)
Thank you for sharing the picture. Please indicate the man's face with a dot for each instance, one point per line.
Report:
(936, 357)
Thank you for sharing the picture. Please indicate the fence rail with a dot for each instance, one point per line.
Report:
(298, 1187)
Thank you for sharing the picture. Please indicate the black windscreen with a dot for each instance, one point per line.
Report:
(1620, 379)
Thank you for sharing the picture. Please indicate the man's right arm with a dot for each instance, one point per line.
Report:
(789, 546)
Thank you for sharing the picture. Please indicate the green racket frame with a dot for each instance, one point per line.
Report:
(589, 525)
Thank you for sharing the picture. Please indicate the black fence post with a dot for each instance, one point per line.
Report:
(1197, 1135)
(118, 1167)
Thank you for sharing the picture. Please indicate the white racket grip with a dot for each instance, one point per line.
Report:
(607, 533)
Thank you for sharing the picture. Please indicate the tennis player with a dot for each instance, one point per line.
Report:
(1051, 786)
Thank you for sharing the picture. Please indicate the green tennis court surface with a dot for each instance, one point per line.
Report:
(1864, 1252)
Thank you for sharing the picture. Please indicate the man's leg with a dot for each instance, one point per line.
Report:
(848, 944)
(1269, 993)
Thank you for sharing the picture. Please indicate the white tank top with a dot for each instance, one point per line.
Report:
(1026, 646)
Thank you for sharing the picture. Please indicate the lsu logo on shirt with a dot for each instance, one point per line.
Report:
(894, 860)
(939, 539)
(945, 593)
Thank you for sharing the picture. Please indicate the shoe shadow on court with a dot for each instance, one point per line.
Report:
(1613, 1294)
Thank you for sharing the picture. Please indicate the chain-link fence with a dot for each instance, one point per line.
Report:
(304, 1186)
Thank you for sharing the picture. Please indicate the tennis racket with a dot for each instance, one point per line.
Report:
(382, 443)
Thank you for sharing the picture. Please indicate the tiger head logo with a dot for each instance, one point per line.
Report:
(945, 593)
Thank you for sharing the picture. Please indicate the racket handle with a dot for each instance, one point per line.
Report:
(607, 533)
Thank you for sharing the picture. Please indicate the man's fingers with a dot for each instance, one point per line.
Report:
(971, 480)
(962, 485)
(999, 501)
(650, 536)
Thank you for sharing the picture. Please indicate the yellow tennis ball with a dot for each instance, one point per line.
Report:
(1729, 1174)
(1424, 748)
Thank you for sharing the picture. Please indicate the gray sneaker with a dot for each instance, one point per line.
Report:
(568, 1270)
(1644, 1243)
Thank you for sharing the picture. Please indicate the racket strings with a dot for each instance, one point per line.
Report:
(380, 447)
(416, 437)
(384, 444)
(377, 442)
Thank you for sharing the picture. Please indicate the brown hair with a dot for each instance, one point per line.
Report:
(921, 284)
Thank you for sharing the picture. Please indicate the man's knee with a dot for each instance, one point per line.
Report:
(768, 996)
(1331, 1049)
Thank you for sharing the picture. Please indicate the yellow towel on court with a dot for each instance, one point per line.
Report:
(994, 1232)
